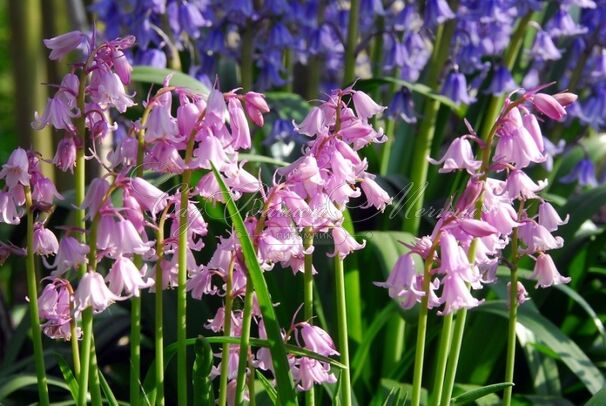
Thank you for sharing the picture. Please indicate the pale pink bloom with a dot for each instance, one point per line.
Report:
(341, 192)
(44, 192)
(15, 170)
(161, 125)
(127, 240)
(537, 238)
(239, 126)
(216, 107)
(476, 228)
(133, 212)
(105, 232)
(45, 242)
(208, 187)
(53, 303)
(546, 273)
(365, 105)
(242, 181)
(532, 126)
(125, 277)
(164, 157)
(200, 283)
(95, 195)
(454, 261)
(210, 150)
(458, 156)
(92, 292)
(521, 186)
(63, 44)
(344, 243)
(503, 217)
(149, 197)
(342, 168)
(521, 293)
(565, 98)
(297, 207)
(65, 156)
(456, 295)
(107, 90)
(279, 242)
(317, 340)
(231, 393)
(196, 226)
(216, 323)
(70, 254)
(313, 123)
(9, 213)
(256, 106)
(122, 67)
(307, 372)
(306, 173)
(470, 195)
(549, 106)
(549, 217)
(125, 152)
(57, 113)
(188, 115)
(402, 280)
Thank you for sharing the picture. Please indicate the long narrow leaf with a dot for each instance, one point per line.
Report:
(269, 389)
(286, 393)
(68, 376)
(472, 395)
(107, 391)
(148, 74)
(19, 382)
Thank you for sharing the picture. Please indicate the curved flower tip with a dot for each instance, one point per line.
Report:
(546, 273)
(92, 292)
(63, 44)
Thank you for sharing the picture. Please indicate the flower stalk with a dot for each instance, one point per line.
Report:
(342, 331)
(32, 292)
(308, 294)
(227, 331)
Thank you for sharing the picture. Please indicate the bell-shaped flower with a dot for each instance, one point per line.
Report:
(521, 293)
(537, 238)
(317, 340)
(125, 277)
(375, 195)
(200, 283)
(549, 105)
(307, 372)
(92, 292)
(161, 125)
(107, 90)
(63, 44)
(456, 295)
(149, 197)
(313, 123)
(70, 254)
(403, 278)
(65, 156)
(95, 195)
(549, 217)
(256, 106)
(239, 125)
(521, 186)
(128, 240)
(546, 273)
(44, 192)
(344, 243)
(458, 156)
(15, 170)
(365, 106)
(45, 242)
(9, 213)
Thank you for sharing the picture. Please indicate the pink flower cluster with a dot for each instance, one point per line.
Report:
(466, 245)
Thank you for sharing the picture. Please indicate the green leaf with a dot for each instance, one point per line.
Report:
(288, 105)
(68, 375)
(586, 306)
(269, 389)
(359, 359)
(543, 370)
(474, 394)
(107, 391)
(202, 385)
(549, 334)
(286, 393)
(15, 383)
(424, 90)
(599, 399)
(148, 74)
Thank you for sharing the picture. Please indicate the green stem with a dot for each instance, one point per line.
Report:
(85, 350)
(32, 292)
(342, 329)
(422, 332)
(135, 345)
(159, 337)
(74, 340)
(227, 331)
(246, 63)
(244, 343)
(95, 385)
(351, 42)
(455, 351)
(182, 278)
(443, 349)
(308, 295)
(511, 337)
(418, 176)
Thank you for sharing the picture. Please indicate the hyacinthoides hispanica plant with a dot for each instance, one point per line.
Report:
(131, 236)
(468, 242)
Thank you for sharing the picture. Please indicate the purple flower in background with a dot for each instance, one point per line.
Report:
(562, 24)
(402, 106)
(583, 173)
(502, 81)
(544, 48)
(436, 12)
(455, 88)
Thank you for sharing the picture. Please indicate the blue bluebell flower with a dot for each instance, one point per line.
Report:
(455, 88)
(583, 173)
(502, 81)
(402, 107)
